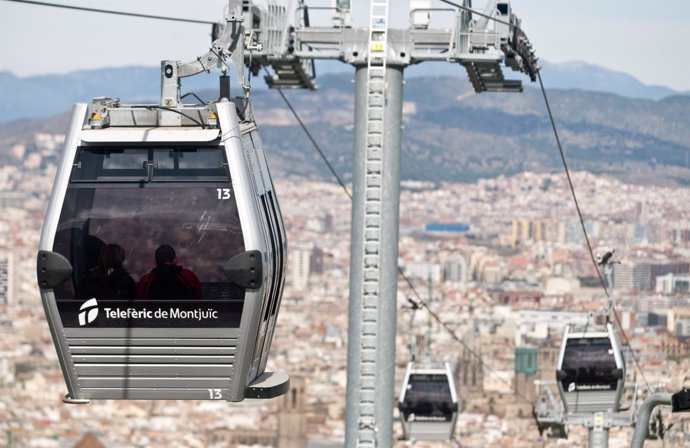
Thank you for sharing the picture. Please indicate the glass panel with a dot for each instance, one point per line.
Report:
(204, 231)
(164, 159)
(147, 245)
(116, 160)
(166, 163)
(112, 238)
(428, 397)
(589, 364)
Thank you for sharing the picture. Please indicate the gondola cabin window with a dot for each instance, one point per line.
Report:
(148, 230)
(589, 364)
(428, 397)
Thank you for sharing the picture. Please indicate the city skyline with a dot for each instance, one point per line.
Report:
(518, 291)
(496, 259)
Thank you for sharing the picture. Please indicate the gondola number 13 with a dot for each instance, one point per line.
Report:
(214, 394)
(223, 193)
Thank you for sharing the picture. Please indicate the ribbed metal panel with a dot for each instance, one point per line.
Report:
(91, 382)
(148, 350)
(590, 401)
(154, 394)
(440, 430)
(162, 370)
(153, 368)
(151, 359)
(157, 342)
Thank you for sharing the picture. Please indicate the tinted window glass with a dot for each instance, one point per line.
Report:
(160, 163)
(148, 232)
(428, 397)
(203, 230)
(128, 223)
(589, 364)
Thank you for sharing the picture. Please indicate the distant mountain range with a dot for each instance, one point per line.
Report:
(566, 75)
(593, 78)
(450, 133)
(38, 96)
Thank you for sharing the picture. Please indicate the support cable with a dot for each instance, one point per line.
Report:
(313, 142)
(582, 223)
(570, 183)
(171, 109)
(107, 11)
(572, 188)
(480, 14)
(419, 303)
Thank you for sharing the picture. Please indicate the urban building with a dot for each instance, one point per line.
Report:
(7, 275)
(673, 284)
(679, 322)
(304, 259)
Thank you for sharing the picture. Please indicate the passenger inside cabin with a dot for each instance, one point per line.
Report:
(168, 280)
(108, 279)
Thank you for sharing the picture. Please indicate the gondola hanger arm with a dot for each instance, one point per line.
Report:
(229, 45)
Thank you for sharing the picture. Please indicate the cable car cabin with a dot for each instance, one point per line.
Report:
(591, 371)
(428, 403)
(162, 257)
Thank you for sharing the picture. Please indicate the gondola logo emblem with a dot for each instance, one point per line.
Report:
(572, 387)
(88, 312)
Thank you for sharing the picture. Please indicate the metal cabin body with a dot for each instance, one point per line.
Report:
(138, 177)
(428, 402)
(591, 370)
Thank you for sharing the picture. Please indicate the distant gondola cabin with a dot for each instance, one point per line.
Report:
(591, 370)
(428, 403)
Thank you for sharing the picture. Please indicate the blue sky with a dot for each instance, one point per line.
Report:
(644, 38)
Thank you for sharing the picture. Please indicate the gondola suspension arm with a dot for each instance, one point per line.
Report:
(230, 45)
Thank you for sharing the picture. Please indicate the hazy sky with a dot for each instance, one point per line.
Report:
(645, 38)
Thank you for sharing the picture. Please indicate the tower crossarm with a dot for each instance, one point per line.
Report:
(482, 42)
(482, 46)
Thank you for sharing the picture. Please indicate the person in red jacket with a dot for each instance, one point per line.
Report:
(168, 280)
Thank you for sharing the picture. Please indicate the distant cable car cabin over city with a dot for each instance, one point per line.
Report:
(591, 370)
(428, 402)
(162, 256)
(590, 376)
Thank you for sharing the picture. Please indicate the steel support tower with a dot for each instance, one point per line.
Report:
(379, 55)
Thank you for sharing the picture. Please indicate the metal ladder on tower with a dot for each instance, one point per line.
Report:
(375, 101)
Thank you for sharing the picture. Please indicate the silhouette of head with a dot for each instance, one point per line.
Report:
(165, 254)
(111, 256)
